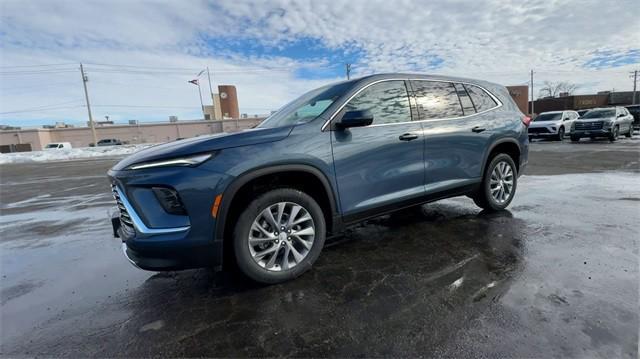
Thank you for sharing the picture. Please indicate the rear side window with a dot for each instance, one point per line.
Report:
(388, 101)
(437, 100)
(481, 99)
(465, 100)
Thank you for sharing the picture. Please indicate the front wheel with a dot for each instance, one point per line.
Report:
(575, 139)
(279, 236)
(560, 134)
(614, 134)
(498, 185)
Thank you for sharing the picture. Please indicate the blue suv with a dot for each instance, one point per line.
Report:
(265, 199)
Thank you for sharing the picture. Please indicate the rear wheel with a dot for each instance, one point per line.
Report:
(498, 185)
(630, 133)
(279, 236)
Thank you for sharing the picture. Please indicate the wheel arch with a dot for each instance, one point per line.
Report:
(244, 182)
(506, 145)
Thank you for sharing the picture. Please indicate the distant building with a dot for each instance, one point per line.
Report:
(584, 102)
(229, 101)
(520, 95)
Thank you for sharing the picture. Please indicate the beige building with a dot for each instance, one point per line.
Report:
(135, 133)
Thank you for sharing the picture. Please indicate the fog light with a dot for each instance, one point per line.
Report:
(169, 200)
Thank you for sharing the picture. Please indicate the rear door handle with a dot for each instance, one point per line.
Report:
(478, 129)
(408, 137)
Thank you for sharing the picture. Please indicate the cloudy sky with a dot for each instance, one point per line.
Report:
(139, 55)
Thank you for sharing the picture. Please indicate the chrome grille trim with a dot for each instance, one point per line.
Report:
(128, 216)
(588, 125)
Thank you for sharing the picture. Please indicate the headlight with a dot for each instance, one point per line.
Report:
(189, 161)
(606, 124)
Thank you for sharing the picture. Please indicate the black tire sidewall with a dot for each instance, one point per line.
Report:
(245, 262)
(561, 134)
(486, 183)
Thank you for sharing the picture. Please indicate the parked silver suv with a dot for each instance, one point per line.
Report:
(603, 122)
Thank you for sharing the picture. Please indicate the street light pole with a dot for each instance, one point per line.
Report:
(197, 83)
(210, 88)
(86, 96)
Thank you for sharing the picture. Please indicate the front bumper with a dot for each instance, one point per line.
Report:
(591, 133)
(154, 240)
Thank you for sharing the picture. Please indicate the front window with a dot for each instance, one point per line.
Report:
(307, 107)
(600, 113)
(548, 117)
(388, 102)
(52, 145)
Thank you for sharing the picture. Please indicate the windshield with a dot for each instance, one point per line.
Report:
(306, 107)
(549, 117)
(600, 113)
(52, 145)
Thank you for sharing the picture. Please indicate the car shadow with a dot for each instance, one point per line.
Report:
(435, 265)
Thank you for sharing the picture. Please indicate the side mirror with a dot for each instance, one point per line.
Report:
(356, 118)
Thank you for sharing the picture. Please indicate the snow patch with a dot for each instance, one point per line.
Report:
(71, 153)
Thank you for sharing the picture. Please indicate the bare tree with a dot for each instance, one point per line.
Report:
(554, 89)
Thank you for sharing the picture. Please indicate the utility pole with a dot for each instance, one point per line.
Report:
(635, 83)
(86, 96)
(348, 68)
(210, 89)
(532, 110)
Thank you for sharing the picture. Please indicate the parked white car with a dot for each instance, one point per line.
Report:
(57, 146)
(552, 124)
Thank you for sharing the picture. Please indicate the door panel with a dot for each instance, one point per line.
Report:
(373, 165)
(456, 136)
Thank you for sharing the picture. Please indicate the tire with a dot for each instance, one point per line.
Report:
(560, 136)
(630, 133)
(575, 139)
(484, 198)
(271, 267)
(614, 133)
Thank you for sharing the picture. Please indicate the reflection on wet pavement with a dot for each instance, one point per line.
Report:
(557, 275)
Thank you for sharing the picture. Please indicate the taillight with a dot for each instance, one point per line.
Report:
(526, 120)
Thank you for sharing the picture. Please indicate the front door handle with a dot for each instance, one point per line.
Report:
(408, 137)
(478, 129)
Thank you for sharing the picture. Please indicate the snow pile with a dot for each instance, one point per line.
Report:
(71, 154)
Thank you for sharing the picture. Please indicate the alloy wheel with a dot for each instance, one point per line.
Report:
(281, 236)
(501, 182)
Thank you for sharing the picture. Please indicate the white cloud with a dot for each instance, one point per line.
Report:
(494, 40)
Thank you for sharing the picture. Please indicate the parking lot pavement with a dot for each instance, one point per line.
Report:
(556, 275)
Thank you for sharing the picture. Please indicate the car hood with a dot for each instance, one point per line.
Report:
(205, 144)
(596, 119)
(535, 124)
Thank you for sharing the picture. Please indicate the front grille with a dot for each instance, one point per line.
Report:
(539, 130)
(124, 215)
(588, 125)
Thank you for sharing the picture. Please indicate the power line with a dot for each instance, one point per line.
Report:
(42, 65)
(40, 108)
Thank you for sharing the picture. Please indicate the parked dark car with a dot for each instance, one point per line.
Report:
(108, 142)
(603, 122)
(634, 110)
(265, 199)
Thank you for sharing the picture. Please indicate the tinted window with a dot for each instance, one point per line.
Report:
(437, 99)
(600, 113)
(465, 101)
(481, 99)
(548, 117)
(388, 101)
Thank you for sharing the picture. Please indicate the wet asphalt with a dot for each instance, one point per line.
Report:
(555, 275)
